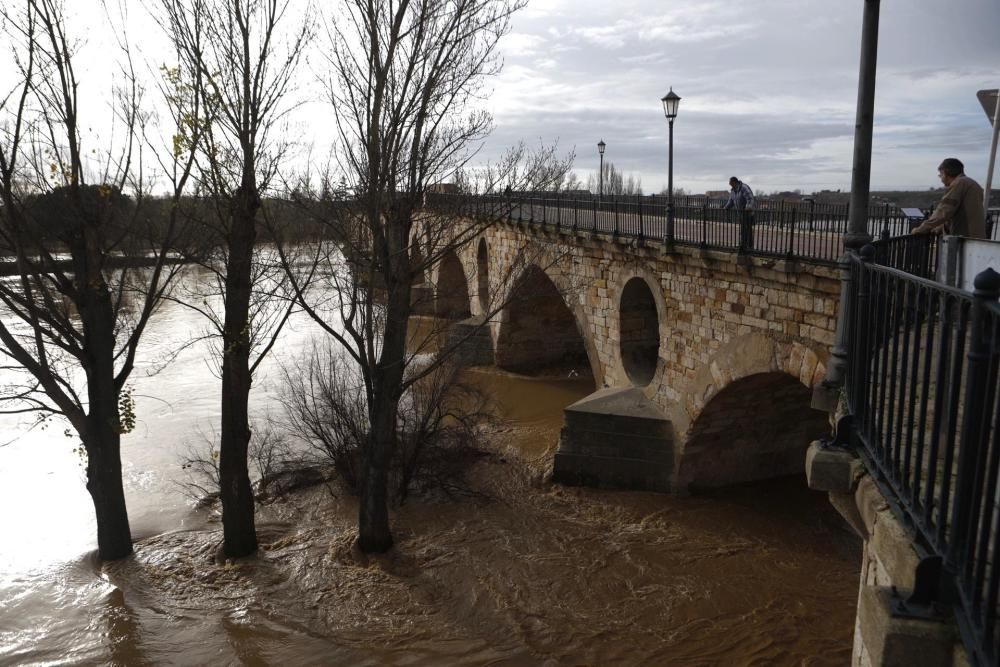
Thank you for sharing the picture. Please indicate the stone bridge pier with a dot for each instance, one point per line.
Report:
(703, 365)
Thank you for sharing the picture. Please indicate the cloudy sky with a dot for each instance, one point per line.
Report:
(768, 88)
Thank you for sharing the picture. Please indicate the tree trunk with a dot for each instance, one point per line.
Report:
(374, 535)
(239, 531)
(104, 482)
(101, 434)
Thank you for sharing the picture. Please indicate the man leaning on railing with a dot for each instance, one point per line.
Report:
(741, 198)
(960, 212)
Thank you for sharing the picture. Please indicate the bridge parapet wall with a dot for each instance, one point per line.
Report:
(705, 299)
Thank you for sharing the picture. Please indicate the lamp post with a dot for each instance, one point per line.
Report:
(826, 395)
(600, 175)
(670, 103)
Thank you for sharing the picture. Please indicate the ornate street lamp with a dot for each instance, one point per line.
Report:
(670, 103)
(600, 177)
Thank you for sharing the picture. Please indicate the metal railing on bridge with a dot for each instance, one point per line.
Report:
(807, 230)
(922, 392)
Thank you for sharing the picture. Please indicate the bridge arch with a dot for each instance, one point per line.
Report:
(538, 331)
(452, 299)
(483, 276)
(748, 414)
(757, 427)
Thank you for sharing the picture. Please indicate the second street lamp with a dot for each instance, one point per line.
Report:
(600, 175)
(670, 103)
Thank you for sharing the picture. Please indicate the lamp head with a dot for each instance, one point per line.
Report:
(670, 103)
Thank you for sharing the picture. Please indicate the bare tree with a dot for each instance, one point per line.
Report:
(73, 313)
(615, 182)
(570, 183)
(405, 83)
(248, 62)
(442, 419)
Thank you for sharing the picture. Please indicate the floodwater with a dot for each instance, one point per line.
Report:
(516, 571)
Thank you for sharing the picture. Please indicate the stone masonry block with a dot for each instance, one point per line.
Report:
(901, 642)
(895, 550)
(870, 502)
(831, 469)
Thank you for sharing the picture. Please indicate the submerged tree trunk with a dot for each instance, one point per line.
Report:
(374, 534)
(102, 432)
(239, 531)
(104, 482)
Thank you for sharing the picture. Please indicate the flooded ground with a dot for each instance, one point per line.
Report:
(522, 572)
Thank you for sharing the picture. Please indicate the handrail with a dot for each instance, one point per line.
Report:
(922, 388)
(801, 231)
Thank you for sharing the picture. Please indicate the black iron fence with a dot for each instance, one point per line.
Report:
(807, 230)
(804, 230)
(922, 391)
(915, 255)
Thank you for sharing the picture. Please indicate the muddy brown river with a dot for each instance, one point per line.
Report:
(520, 572)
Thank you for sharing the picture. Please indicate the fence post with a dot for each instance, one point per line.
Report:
(576, 214)
(668, 231)
(558, 203)
(704, 223)
(856, 333)
(791, 230)
(977, 408)
(638, 206)
(614, 202)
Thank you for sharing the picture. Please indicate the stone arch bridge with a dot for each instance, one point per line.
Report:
(703, 361)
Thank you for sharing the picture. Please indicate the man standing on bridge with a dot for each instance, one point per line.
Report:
(741, 199)
(960, 212)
